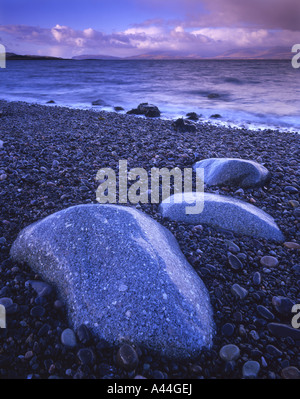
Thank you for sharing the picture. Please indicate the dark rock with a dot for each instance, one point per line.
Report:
(264, 312)
(192, 116)
(127, 357)
(283, 331)
(290, 373)
(275, 352)
(291, 190)
(228, 329)
(118, 108)
(86, 356)
(215, 116)
(256, 278)
(37, 311)
(234, 262)
(83, 334)
(283, 305)
(182, 126)
(149, 110)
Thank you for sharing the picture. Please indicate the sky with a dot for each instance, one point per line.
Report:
(124, 28)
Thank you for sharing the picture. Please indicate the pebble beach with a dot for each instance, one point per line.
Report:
(49, 158)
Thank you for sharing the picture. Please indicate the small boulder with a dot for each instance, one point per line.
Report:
(233, 172)
(223, 212)
(182, 125)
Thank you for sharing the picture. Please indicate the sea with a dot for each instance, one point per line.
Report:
(252, 94)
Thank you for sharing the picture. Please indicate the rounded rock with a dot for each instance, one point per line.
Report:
(68, 338)
(290, 373)
(229, 352)
(269, 261)
(127, 357)
(251, 369)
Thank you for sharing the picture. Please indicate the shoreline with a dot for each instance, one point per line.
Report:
(218, 122)
(50, 157)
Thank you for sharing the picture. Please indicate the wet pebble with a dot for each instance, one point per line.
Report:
(68, 338)
(127, 357)
(251, 369)
(229, 352)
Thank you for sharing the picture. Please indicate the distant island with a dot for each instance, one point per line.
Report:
(273, 53)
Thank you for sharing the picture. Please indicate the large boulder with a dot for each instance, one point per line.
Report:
(233, 172)
(221, 212)
(123, 275)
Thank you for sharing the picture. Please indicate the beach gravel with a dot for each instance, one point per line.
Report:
(34, 136)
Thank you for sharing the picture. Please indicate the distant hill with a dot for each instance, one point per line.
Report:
(273, 53)
(95, 57)
(13, 56)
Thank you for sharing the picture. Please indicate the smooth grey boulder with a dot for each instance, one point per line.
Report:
(121, 274)
(222, 212)
(233, 172)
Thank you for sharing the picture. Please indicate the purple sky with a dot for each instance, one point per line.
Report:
(67, 28)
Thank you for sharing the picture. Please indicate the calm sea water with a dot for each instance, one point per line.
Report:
(245, 93)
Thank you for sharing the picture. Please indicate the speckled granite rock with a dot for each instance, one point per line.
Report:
(223, 212)
(233, 172)
(123, 275)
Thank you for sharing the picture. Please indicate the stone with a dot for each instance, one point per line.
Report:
(40, 287)
(273, 351)
(192, 116)
(83, 334)
(292, 245)
(269, 261)
(228, 329)
(239, 291)
(283, 305)
(98, 103)
(86, 356)
(229, 352)
(233, 172)
(182, 125)
(221, 212)
(37, 311)
(68, 338)
(284, 330)
(127, 357)
(290, 373)
(256, 278)
(291, 189)
(90, 253)
(234, 262)
(149, 110)
(251, 369)
(265, 313)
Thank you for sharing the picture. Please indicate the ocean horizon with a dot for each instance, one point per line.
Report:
(252, 94)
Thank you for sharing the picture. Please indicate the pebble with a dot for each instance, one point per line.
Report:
(127, 357)
(275, 352)
(290, 189)
(254, 335)
(264, 312)
(68, 338)
(294, 203)
(86, 356)
(256, 278)
(269, 261)
(37, 311)
(292, 245)
(228, 329)
(234, 262)
(284, 330)
(282, 304)
(229, 352)
(290, 373)
(239, 291)
(6, 302)
(40, 287)
(83, 334)
(251, 369)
